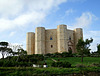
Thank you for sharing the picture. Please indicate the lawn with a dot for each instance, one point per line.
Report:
(51, 71)
(75, 60)
(30, 71)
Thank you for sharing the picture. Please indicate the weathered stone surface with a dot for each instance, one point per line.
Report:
(30, 43)
(53, 40)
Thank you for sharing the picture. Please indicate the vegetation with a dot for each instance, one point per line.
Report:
(64, 65)
(83, 47)
(28, 60)
(29, 71)
(18, 63)
(61, 64)
(98, 48)
(4, 49)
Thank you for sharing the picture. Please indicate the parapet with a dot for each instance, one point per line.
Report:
(62, 25)
(78, 29)
(40, 28)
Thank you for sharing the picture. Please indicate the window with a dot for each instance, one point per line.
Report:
(50, 38)
(51, 46)
(69, 38)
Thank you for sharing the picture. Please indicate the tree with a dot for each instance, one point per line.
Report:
(83, 47)
(21, 52)
(98, 48)
(9, 52)
(4, 48)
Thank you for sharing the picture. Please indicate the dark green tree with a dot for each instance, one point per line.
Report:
(4, 49)
(83, 47)
(21, 52)
(98, 48)
(87, 45)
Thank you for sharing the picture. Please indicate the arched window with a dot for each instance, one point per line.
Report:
(50, 38)
(69, 48)
(69, 38)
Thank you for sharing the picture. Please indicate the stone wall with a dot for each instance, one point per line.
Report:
(30, 43)
(40, 40)
(62, 38)
(53, 40)
(70, 39)
(78, 34)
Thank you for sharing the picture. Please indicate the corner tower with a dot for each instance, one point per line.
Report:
(77, 35)
(40, 40)
(62, 38)
(30, 43)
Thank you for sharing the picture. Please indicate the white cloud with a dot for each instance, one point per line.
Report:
(96, 38)
(21, 20)
(69, 11)
(15, 13)
(95, 33)
(84, 20)
(12, 33)
(10, 7)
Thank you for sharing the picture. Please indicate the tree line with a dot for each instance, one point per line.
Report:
(82, 48)
(7, 51)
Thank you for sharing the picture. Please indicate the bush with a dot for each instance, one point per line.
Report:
(95, 64)
(67, 54)
(57, 55)
(1, 63)
(48, 55)
(80, 66)
(9, 63)
(60, 55)
(61, 64)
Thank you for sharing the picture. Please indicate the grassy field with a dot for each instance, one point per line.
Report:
(30, 71)
(75, 60)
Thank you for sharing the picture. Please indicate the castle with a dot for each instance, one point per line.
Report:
(45, 41)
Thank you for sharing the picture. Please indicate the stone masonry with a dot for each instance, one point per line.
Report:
(45, 41)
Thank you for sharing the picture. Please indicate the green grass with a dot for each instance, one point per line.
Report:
(76, 60)
(29, 71)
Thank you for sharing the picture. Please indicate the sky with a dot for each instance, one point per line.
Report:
(17, 17)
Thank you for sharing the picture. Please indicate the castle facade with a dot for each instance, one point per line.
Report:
(60, 40)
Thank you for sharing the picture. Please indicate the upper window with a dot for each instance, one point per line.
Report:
(69, 38)
(50, 38)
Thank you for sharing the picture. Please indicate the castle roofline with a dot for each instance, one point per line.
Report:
(29, 32)
(40, 27)
(51, 29)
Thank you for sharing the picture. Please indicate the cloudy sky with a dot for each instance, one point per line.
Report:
(17, 17)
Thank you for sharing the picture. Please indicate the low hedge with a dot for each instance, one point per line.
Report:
(30, 71)
(61, 64)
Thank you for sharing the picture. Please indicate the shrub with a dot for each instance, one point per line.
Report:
(80, 66)
(1, 63)
(70, 51)
(61, 64)
(57, 54)
(48, 55)
(9, 63)
(67, 54)
(95, 64)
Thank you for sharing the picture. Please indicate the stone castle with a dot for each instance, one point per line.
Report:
(45, 41)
